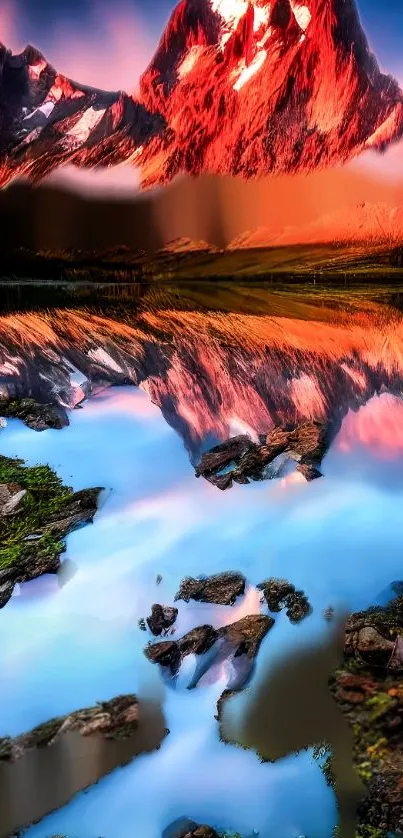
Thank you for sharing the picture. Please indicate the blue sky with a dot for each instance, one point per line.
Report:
(383, 21)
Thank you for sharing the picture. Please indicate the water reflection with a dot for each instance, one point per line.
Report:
(46, 778)
(77, 641)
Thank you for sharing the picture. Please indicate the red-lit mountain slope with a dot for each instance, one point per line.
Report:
(250, 87)
(242, 87)
(47, 120)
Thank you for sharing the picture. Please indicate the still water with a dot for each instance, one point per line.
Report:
(69, 641)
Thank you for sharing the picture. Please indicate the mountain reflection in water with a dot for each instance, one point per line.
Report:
(213, 370)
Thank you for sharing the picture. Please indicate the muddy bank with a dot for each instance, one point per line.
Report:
(290, 708)
(46, 776)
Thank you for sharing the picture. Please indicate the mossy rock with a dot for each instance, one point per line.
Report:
(32, 538)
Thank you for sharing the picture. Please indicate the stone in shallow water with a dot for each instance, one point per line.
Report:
(37, 416)
(243, 638)
(247, 634)
(281, 594)
(161, 619)
(220, 589)
(186, 828)
(244, 460)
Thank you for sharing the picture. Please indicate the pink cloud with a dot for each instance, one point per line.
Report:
(113, 58)
(9, 34)
(109, 51)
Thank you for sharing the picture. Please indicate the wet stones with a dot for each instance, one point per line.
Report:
(167, 653)
(186, 828)
(369, 690)
(220, 589)
(243, 637)
(115, 719)
(241, 460)
(37, 416)
(170, 653)
(282, 595)
(375, 636)
(161, 619)
(6, 590)
(247, 634)
(11, 498)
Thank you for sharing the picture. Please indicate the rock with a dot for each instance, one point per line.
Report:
(372, 635)
(223, 455)
(186, 828)
(297, 607)
(79, 509)
(369, 691)
(198, 641)
(161, 619)
(35, 415)
(368, 641)
(247, 634)
(6, 592)
(244, 638)
(275, 591)
(387, 620)
(309, 472)
(36, 506)
(221, 589)
(382, 808)
(396, 660)
(281, 594)
(11, 497)
(115, 719)
(240, 459)
(166, 653)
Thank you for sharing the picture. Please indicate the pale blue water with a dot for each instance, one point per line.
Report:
(66, 646)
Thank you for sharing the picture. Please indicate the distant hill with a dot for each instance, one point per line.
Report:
(185, 245)
(373, 224)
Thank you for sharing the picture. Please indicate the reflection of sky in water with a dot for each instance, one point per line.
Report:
(66, 646)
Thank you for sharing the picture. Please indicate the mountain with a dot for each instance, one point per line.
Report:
(250, 87)
(242, 87)
(46, 120)
(186, 245)
(374, 224)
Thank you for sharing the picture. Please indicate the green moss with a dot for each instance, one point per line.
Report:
(45, 497)
(379, 704)
(43, 734)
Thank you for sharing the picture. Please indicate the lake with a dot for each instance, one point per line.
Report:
(148, 386)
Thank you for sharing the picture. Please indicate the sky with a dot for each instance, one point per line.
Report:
(44, 21)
